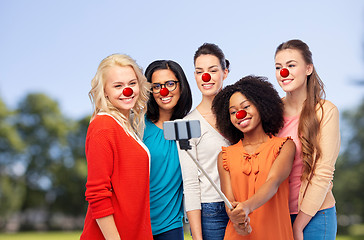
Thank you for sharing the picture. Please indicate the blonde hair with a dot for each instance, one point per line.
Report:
(135, 122)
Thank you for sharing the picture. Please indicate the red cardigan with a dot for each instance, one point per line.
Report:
(117, 181)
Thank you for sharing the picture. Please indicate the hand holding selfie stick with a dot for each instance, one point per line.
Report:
(182, 131)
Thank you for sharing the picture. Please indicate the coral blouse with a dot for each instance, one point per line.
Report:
(248, 172)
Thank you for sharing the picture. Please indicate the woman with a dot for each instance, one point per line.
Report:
(117, 186)
(170, 99)
(254, 171)
(205, 209)
(313, 123)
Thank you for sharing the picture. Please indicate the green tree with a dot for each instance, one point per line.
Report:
(43, 166)
(44, 130)
(11, 145)
(349, 174)
(70, 180)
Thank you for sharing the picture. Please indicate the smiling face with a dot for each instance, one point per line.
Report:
(209, 64)
(292, 59)
(169, 101)
(116, 80)
(252, 119)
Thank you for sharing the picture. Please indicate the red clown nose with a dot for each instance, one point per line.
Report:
(164, 92)
(127, 92)
(284, 72)
(241, 114)
(206, 77)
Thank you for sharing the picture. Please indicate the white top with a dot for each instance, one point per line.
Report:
(197, 188)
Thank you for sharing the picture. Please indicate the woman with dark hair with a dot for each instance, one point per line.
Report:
(184, 104)
(170, 99)
(205, 208)
(254, 171)
(313, 123)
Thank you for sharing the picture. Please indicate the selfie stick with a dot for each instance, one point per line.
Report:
(185, 145)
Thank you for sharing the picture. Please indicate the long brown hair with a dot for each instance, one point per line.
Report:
(309, 122)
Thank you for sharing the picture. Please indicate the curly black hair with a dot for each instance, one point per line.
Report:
(262, 95)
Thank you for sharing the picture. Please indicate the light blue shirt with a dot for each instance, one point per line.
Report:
(166, 189)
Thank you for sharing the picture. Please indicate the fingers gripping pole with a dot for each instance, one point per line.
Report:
(222, 195)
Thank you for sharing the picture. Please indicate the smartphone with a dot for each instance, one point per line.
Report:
(181, 129)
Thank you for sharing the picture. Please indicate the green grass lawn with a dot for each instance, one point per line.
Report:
(41, 236)
(48, 235)
(76, 235)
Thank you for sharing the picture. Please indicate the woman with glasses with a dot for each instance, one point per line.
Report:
(205, 208)
(170, 99)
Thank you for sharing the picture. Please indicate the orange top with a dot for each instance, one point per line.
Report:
(248, 172)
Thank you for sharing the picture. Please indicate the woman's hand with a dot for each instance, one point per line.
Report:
(239, 214)
(243, 228)
(108, 227)
(299, 225)
(297, 234)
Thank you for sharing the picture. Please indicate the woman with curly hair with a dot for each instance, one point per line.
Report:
(313, 124)
(117, 187)
(254, 170)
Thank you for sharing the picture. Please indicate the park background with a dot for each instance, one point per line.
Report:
(50, 50)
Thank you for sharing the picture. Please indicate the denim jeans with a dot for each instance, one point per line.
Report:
(323, 226)
(213, 220)
(174, 234)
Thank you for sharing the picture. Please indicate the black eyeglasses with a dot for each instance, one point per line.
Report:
(171, 85)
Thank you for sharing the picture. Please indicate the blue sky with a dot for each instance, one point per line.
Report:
(54, 47)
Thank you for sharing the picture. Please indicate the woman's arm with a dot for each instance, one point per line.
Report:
(194, 218)
(99, 171)
(300, 223)
(191, 190)
(279, 171)
(191, 184)
(108, 228)
(239, 220)
(225, 181)
(321, 181)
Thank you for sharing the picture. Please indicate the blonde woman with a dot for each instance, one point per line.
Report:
(117, 187)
